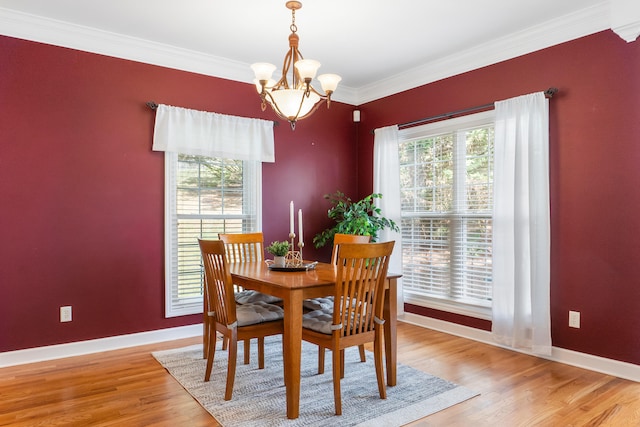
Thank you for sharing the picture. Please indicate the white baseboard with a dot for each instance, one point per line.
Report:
(39, 354)
(582, 360)
(603, 365)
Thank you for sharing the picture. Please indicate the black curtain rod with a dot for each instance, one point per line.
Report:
(547, 93)
(154, 106)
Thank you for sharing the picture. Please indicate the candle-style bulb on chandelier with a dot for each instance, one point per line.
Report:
(293, 99)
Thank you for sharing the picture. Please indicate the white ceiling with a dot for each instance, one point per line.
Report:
(378, 47)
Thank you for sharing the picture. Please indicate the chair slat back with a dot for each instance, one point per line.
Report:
(359, 293)
(218, 282)
(339, 238)
(243, 247)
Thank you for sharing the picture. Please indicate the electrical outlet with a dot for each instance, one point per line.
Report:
(65, 313)
(574, 319)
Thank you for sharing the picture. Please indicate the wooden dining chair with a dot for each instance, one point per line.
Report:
(357, 313)
(340, 238)
(234, 321)
(327, 302)
(246, 247)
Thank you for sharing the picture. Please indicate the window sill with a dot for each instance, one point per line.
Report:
(469, 310)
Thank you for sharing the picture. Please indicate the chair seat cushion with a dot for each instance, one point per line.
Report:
(322, 320)
(321, 303)
(248, 296)
(258, 312)
(318, 320)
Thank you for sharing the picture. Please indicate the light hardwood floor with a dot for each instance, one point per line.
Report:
(129, 388)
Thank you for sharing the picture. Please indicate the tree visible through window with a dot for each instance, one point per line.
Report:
(212, 195)
(446, 177)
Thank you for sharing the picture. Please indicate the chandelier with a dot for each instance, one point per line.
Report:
(295, 99)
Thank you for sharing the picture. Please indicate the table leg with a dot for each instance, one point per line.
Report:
(292, 349)
(390, 325)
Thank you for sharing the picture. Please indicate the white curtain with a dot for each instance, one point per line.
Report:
(386, 181)
(521, 225)
(201, 133)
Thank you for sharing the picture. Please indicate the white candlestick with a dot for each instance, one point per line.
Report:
(291, 217)
(300, 240)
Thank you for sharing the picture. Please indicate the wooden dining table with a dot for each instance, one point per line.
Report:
(294, 287)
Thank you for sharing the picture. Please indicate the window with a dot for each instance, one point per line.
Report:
(446, 181)
(204, 196)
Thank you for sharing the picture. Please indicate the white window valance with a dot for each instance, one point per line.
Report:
(201, 133)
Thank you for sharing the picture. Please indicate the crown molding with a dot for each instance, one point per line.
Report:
(65, 34)
(625, 19)
(559, 30)
(60, 33)
(629, 32)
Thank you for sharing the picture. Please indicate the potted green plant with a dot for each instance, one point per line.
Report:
(361, 217)
(279, 251)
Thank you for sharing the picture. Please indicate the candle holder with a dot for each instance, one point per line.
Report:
(294, 258)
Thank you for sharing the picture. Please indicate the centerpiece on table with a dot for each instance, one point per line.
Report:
(294, 258)
(286, 257)
(279, 250)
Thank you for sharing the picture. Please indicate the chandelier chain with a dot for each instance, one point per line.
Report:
(293, 26)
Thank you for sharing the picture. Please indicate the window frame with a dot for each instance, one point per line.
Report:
(429, 130)
(195, 305)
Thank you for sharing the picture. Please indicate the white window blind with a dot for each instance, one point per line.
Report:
(446, 180)
(205, 196)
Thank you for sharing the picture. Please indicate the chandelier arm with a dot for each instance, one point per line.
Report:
(313, 110)
(290, 60)
(295, 56)
(283, 83)
(296, 75)
(326, 96)
(323, 96)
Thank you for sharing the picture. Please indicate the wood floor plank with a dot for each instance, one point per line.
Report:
(128, 387)
(123, 387)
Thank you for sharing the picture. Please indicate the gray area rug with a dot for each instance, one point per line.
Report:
(259, 395)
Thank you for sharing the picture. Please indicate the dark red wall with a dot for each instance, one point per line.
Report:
(595, 177)
(81, 192)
